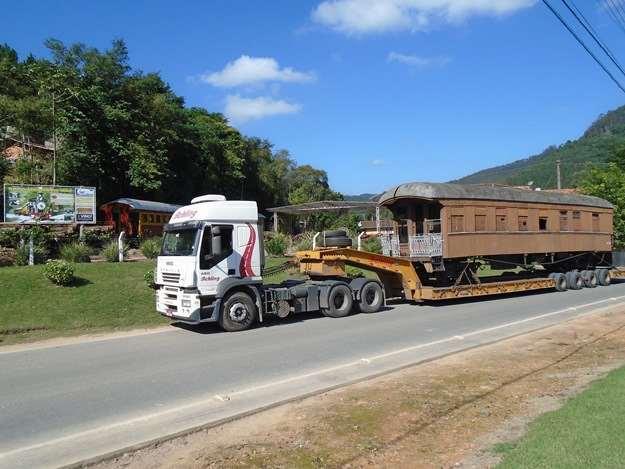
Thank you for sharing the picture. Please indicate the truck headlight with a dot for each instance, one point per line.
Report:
(186, 303)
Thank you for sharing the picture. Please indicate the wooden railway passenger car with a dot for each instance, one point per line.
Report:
(138, 218)
(448, 226)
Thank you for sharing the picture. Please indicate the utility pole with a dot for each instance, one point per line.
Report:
(558, 175)
(53, 139)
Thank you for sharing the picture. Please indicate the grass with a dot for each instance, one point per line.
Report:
(107, 296)
(586, 432)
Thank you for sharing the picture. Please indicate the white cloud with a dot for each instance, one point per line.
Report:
(248, 70)
(377, 162)
(417, 61)
(377, 16)
(240, 109)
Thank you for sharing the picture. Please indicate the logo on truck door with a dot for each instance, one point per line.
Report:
(245, 267)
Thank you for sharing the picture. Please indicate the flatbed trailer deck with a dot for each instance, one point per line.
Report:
(401, 279)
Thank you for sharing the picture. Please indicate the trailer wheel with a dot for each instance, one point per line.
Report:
(340, 301)
(603, 277)
(560, 280)
(590, 279)
(238, 312)
(574, 280)
(371, 298)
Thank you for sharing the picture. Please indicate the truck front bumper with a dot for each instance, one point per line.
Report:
(191, 308)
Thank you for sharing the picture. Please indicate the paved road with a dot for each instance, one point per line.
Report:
(62, 404)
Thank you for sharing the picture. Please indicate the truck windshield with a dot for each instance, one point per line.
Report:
(179, 242)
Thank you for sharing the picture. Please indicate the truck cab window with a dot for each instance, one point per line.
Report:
(216, 245)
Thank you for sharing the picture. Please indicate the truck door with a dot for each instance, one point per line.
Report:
(215, 260)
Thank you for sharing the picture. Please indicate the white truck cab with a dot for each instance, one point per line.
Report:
(204, 244)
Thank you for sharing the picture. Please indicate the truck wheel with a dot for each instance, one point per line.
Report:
(340, 301)
(560, 279)
(337, 242)
(371, 298)
(574, 280)
(238, 312)
(603, 277)
(335, 234)
(590, 279)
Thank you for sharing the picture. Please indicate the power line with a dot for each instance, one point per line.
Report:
(590, 30)
(583, 44)
(614, 13)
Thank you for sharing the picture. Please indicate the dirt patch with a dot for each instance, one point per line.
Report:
(453, 412)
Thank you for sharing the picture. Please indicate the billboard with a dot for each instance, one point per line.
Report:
(28, 204)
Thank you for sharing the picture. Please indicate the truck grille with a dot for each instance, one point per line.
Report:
(171, 278)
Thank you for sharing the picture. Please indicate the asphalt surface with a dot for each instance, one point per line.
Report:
(63, 404)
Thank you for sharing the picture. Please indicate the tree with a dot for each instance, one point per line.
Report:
(609, 183)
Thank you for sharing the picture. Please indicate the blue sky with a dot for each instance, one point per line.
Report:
(374, 92)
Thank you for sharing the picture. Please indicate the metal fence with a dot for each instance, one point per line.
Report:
(390, 244)
(429, 245)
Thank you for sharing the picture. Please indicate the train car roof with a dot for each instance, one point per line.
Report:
(442, 191)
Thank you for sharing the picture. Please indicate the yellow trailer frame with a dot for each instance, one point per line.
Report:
(400, 278)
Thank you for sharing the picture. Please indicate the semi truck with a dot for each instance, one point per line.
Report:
(212, 259)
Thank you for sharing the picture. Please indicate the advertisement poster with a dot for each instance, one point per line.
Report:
(49, 204)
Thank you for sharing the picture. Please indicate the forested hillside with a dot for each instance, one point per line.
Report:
(598, 144)
(127, 133)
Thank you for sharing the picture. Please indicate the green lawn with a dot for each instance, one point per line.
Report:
(107, 296)
(588, 431)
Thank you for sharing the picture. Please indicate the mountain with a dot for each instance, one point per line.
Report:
(366, 197)
(594, 147)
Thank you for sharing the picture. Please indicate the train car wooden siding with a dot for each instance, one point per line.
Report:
(443, 225)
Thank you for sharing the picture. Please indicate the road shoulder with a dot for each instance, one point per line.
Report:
(453, 411)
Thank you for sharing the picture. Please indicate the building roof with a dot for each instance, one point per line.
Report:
(146, 205)
(323, 206)
(441, 191)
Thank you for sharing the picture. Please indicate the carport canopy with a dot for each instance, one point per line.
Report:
(322, 206)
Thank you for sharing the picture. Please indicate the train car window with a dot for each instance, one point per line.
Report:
(523, 223)
(564, 220)
(480, 222)
(543, 223)
(595, 222)
(502, 223)
(457, 223)
(577, 221)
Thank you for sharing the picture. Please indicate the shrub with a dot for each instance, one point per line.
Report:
(22, 253)
(277, 244)
(372, 245)
(303, 241)
(59, 272)
(111, 251)
(7, 256)
(96, 238)
(75, 252)
(149, 278)
(9, 237)
(151, 248)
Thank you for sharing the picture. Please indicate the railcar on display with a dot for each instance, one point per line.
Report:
(449, 230)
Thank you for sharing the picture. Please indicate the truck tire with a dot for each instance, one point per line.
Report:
(560, 281)
(604, 278)
(574, 280)
(340, 301)
(371, 298)
(238, 312)
(589, 278)
(337, 242)
(335, 234)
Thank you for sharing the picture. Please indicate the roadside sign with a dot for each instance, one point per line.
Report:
(30, 204)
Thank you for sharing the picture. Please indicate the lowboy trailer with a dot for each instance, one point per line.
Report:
(212, 259)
